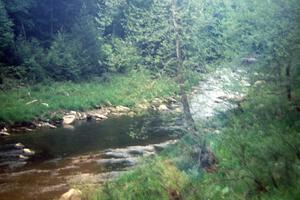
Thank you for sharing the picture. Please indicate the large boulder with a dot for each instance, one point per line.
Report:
(69, 119)
(72, 194)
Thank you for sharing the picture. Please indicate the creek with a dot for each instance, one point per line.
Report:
(86, 153)
(90, 153)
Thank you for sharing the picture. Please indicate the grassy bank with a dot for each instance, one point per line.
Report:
(257, 150)
(118, 90)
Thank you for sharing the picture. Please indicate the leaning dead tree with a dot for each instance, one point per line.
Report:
(205, 156)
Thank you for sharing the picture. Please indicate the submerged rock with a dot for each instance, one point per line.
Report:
(117, 154)
(19, 146)
(118, 161)
(68, 126)
(13, 164)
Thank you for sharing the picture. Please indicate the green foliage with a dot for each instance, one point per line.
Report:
(124, 90)
(62, 63)
(32, 59)
(149, 28)
(153, 180)
(6, 31)
(192, 78)
(267, 119)
(88, 49)
(120, 56)
(63, 31)
(258, 152)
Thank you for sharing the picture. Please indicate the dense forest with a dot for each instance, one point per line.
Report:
(63, 40)
(63, 55)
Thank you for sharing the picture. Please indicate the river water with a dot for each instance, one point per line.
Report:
(65, 157)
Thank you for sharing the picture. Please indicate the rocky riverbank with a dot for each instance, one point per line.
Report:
(67, 118)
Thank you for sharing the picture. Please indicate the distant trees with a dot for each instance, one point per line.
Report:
(6, 31)
(49, 39)
(268, 30)
(97, 36)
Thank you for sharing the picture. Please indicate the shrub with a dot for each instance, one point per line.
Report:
(120, 56)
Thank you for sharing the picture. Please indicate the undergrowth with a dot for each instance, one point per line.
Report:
(40, 100)
(257, 151)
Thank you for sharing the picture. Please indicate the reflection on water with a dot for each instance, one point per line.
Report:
(89, 136)
(65, 152)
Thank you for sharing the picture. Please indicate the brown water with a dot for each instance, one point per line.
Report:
(68, 156)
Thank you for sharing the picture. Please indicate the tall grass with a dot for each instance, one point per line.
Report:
(117, 89)
(153, 180)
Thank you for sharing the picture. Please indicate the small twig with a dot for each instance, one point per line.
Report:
(31, 102)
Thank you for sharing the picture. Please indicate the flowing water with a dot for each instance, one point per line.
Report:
(68, 156)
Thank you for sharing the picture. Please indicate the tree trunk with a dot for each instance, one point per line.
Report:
(206, 157)
(289, 84)
(180, 73)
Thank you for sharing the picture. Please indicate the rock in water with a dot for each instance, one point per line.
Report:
(28, 152)
(2, 133)
(18, 146)
(72, 194)
(69, 119)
